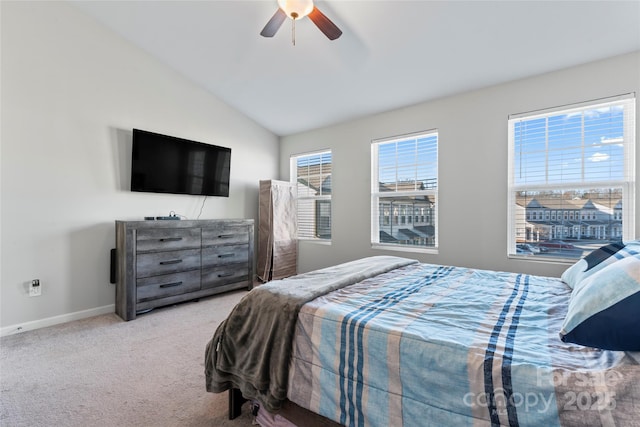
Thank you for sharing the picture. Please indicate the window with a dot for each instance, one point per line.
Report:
(570, 160)
(404, 177)
(312, 174)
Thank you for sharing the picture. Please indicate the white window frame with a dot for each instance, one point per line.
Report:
(376, 194)
(293, 168)
(627, 183)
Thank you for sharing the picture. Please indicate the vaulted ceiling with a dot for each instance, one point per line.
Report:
(391, 53)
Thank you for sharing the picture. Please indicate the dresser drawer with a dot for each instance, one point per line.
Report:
(228, 254)
(225, 236)
(219, 276)
(167, 239)
(166, 285)
(156, 263)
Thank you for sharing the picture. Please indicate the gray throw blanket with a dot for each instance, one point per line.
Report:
(251, 349)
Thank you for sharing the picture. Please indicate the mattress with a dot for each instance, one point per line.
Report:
(426, 344)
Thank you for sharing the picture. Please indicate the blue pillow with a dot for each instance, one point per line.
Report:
(601, 254)
(604, 308)
(597, 260)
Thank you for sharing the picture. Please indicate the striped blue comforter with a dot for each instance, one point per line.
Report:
(429, 345)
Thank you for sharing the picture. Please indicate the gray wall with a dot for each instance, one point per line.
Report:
(71, 93)
(472, 165)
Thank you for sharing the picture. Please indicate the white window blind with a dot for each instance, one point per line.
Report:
(312, 175)
(572, 178)
(404, 177)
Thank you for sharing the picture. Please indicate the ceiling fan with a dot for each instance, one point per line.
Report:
(297, 9)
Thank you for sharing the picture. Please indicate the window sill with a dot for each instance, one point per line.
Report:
(544, 259)
(316, 241)
(399, 248)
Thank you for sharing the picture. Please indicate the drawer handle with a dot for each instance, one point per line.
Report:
(171, 239)
(171, 285)
(225, 275)
(226, 236)
(225, 255)
(171, 261)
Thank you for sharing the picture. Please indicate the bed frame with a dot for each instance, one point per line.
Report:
(292, 412)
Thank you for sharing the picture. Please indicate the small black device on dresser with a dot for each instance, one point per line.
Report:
(161, 263)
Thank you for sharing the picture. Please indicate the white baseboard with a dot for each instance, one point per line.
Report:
(56, 320)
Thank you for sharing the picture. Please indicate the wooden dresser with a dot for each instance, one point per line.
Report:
(170, 261)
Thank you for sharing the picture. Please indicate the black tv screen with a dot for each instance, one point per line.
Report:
(166, 164)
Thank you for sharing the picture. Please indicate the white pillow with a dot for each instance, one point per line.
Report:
(599, 259)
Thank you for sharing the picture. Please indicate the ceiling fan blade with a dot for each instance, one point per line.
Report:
(324, 24)
(274, 24)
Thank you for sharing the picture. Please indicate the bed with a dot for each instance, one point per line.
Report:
(389, 341)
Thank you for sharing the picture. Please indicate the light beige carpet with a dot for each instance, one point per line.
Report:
(103, 371)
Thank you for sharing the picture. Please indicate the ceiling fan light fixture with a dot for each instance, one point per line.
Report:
(296, 9)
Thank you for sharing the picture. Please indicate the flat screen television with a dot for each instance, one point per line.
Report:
(166, 164)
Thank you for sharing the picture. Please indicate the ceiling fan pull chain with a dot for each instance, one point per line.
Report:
(293, 29)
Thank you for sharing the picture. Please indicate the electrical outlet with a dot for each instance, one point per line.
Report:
(35, 289)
